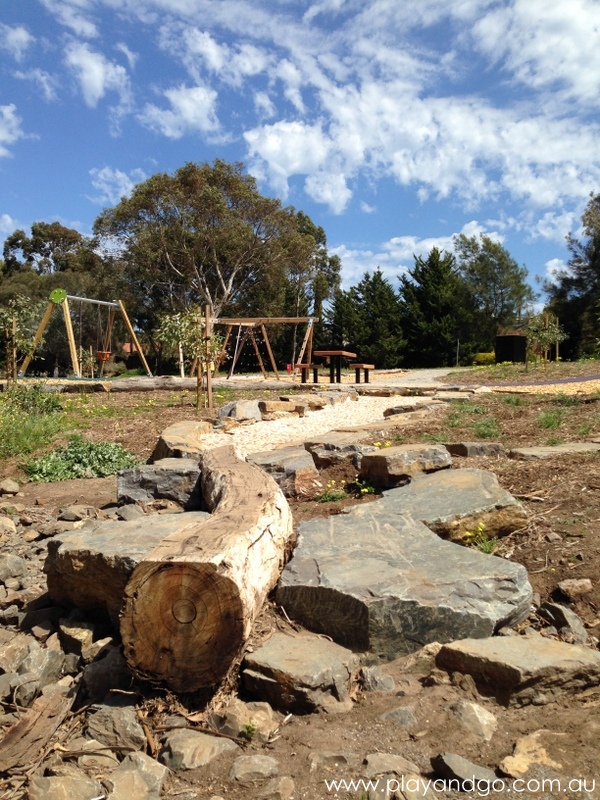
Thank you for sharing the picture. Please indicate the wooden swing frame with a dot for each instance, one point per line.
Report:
(60, 298)
(249, 325)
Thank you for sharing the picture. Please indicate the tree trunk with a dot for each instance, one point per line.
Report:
(190, 604)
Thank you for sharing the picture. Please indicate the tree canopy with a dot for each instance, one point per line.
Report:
(496, 281)
(574, 296)
(204, 235)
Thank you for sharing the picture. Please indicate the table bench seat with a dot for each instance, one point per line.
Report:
(366, 368)
(304, 369)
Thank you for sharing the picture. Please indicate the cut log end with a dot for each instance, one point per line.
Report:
(181, 624)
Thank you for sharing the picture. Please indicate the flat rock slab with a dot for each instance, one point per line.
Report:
(454, 502)
(175, 479)
(543, 451)
(302, 673)
(182, 440)
(520, 670)
(292, 468)
(393, 465)
(91, 566)
(376, 581)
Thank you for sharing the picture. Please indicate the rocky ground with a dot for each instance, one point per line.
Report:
(410, 708)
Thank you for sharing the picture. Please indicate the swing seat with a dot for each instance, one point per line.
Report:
(103, 355)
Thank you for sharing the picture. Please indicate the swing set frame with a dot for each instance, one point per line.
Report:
(59, 297)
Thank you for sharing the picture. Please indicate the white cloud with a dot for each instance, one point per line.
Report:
(366, 208)
(288, 148)
(7, 224)
(545, 45)
(192, 111)
(113, 184)
(73, 14)
(263, 104)
(47, 83)
(131, 57)
(16, 40)
(10, 128)
(554, 267)
(97, 75)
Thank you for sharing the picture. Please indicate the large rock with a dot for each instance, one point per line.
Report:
(373, 580)
(519, 670)
(90, 567)
(186, 749)
(242, 410)
(182, 440)
(302, 673)
(169, 479)
(454, 502)
(292, 468)
(395, 465)
(338, 447)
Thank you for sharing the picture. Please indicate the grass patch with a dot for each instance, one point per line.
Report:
(513, 400)
(29, 419)
(487, 428)
(79, 459)
(551, 419)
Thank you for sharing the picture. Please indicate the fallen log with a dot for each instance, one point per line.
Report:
(190, 603)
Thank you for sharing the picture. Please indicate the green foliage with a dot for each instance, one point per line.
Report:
(33, 399)
(543, 331)
(513, 400)
(249, 730)
(437, 314)
(497, 282)
(487, 428)
(484, 359)
(80, 459)
(366, 320)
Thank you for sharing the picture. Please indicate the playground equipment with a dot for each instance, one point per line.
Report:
(59, 297)
(249, 325)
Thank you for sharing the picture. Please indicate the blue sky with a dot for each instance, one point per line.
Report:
(393, 123)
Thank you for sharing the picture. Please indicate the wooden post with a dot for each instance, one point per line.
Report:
(38, 336)
(269, 351)
(208, 330)
(257, 351)
(71, 338)
(134, 338)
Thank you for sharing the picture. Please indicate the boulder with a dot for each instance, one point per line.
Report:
(90, 567)
(476, 449)
(170, 479)
(396, 465)
(338, 447)
(181, 440)
(376, 581)
(186, 749)
(116, 725)
(520, 670)
(301, 673)
(454, 502)
(292, 468)
(242, 410)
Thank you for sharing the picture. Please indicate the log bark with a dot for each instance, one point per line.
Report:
(190, 604)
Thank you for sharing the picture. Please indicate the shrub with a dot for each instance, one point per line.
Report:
(80, 459)
(484, 359)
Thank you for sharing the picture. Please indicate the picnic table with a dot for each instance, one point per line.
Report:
(335, 362)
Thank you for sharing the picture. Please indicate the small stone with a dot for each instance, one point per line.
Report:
(475, 719)
(375, 680)
(382, 763)
(8, 486)
(185, 749)
(403, 716)
(117, 726)
(253, 768)
(574, 588)
(568, 624)
(278, 789)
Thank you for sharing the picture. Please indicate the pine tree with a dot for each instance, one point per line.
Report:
(438, 314)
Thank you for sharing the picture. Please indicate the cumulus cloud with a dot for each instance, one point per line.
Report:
(192, 110)
(16, 40)
(47, 83)
(10, 128)
(554, 268)
(7, 224)
(112, 184)
(96, 75)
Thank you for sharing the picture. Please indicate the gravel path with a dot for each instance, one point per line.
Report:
(296, 430)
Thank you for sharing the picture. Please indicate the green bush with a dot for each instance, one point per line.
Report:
(32, 399)
(484, 359)
(80, 459)
(29, 419)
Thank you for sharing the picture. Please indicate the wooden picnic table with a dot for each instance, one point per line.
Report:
(335, 362)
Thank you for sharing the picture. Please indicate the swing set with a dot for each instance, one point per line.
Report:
(59, 297)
